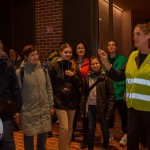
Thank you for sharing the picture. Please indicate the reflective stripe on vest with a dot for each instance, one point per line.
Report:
(138, 81)
(138, 96)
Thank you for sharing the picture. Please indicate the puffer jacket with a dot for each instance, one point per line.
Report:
(84, 68)
(37, 99)
(60, 82)
(104, 97)
(9, 88)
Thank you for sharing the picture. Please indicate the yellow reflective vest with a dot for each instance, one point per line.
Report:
(138, 83)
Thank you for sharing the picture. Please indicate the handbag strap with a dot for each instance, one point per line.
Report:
(93, 86)
(86, 95)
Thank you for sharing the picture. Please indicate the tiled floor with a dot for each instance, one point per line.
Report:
(52, 142)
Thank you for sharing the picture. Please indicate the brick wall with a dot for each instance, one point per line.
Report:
(48, 24)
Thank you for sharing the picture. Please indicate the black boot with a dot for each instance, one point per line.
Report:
(84, 143)
(73, 138)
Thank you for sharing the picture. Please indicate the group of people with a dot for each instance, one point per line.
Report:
(73, 81)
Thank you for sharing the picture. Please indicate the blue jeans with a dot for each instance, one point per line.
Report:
(92, 127)
(8, 142)
(41, 142)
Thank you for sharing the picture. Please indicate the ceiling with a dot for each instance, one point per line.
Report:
(140, 7)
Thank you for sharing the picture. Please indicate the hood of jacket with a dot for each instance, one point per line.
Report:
(53, 54)
(30, 67)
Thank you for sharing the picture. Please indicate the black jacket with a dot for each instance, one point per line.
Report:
(9, 87)
(105, 96)
(65, 100)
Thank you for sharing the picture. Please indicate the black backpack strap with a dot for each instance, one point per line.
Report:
(22, 76)
(44, 69)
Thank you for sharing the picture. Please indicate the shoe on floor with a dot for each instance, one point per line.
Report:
(111, 137)
(50, 134)
(73, 138)
(123, 141)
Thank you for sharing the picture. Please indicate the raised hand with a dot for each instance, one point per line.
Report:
(104, 59)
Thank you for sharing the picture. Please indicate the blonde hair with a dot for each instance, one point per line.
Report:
(73, 64)
(63, 46)
(145, 27)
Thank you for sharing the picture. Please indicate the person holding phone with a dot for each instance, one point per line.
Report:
(66, 82)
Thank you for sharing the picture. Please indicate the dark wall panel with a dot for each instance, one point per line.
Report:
(17, 23)
(23, 23)
(76, 21)
(5, 24)
(79, 22)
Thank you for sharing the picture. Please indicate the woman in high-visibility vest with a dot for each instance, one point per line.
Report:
(137, 74)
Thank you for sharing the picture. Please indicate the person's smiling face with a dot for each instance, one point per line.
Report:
(66, 53)
(80, 50)
(33, 57)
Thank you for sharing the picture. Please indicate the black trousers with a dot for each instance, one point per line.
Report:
(85, 128)
(138, 129)
(122, 109)
(41, 142)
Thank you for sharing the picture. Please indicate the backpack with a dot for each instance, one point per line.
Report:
(22, 75)
(48, 63)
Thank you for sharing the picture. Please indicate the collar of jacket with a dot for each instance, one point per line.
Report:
(99, 75)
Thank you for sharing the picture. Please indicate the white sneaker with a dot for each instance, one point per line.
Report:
(123, 141)
(111, 137)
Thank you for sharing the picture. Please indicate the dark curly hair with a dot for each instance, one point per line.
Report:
(75, 56)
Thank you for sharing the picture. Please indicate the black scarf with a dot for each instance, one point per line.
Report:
(96, 75)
